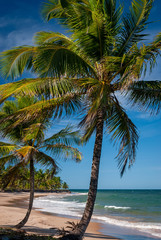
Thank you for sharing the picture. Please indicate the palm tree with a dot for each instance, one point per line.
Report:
(100, 60)
(44, 180)
(65, 186)
(29, 146)
(19, 181)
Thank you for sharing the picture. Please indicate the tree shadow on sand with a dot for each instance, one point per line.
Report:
(52, 232)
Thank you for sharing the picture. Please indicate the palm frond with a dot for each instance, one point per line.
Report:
(136, 62)
(56, 61)
(13, 62)
(34, 133)
(88, 124)
(146, 95)
(8, 109)
(52, 37)
(64, 151)
(11, 174)
(69, 13)
(48, 87)
(113, 13)
(68, 47)
(151, 52)
(52, 9)
(45, 160)
(124, 132)
(134, 24)
(65, 136)
(7, 148)
(157, 39)
(57, 106)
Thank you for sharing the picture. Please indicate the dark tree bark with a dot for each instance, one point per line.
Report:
(24, 221)
(83, 224)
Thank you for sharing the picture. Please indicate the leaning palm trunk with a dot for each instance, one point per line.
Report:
(83, 224)
(24, 221)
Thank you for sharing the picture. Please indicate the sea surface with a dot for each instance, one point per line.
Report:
(127, 214)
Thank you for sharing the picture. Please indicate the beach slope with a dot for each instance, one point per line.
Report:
(13, 208)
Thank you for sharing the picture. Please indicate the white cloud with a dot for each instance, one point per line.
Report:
(19, 37)
(22, 32)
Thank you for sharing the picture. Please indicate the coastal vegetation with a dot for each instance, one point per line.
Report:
(44, 180)
(28, 146)
(100, 63)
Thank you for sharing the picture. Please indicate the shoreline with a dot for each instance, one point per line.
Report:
(13, 207)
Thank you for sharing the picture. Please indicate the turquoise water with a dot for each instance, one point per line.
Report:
(128, 214)
(140, 204)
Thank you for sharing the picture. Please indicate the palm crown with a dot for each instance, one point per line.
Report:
(101, 57)
(29, 139)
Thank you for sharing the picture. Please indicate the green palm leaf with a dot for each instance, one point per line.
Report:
(65, 136)
(134, 24)
(6, 148)
(45, 160)
(57, 106)
(55, 61)
(65, 151)
(88, 124)
(113, 13)
(35, 132)
(47, 87)
(146, 95)
(13, 62)
(52, 8)
(68, 13)
(11, 174)
(52, 37)
(124, 132)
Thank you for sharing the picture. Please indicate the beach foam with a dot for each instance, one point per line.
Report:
(152, 228)
(116, 207)
(59, 206)
(70, 206)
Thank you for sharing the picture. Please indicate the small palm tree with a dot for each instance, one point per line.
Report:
(29, 146)
(65, 185)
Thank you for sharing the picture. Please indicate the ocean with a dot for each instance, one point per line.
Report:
(127, 214)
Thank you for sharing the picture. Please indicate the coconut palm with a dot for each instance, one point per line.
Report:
(43, 180)
(65, 186)
(103, 56)
(30, 146)
(19, 181)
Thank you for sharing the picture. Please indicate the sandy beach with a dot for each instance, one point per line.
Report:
(13, 208)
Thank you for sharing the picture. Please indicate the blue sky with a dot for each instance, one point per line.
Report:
(19, 20)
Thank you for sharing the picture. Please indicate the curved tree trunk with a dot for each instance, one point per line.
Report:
(83, 224)
(24, 221)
